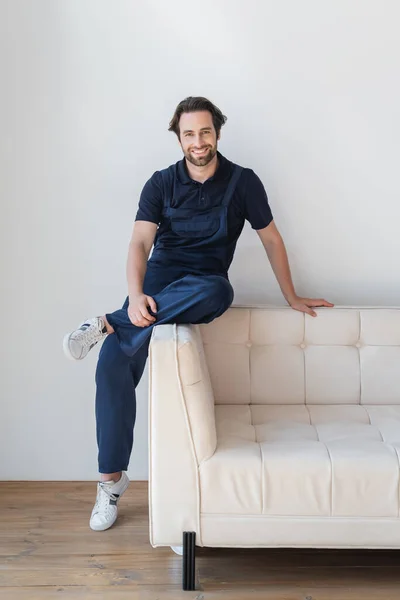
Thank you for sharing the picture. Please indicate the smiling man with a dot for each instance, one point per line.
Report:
(192, 214)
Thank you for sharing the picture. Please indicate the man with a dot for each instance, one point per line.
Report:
(193, 212)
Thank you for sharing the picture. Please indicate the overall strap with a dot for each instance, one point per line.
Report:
(166, 194)
(237, 171)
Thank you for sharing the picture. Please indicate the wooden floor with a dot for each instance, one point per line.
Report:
(48, 551)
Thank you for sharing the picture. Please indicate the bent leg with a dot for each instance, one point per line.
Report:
(191, 299)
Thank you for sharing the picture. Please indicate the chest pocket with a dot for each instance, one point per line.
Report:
(195, 225)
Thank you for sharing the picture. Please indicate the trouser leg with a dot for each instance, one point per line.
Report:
(117, 376)
(191, 299)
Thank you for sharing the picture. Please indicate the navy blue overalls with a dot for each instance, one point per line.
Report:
(194, 290)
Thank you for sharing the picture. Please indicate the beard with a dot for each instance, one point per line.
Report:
(203, 160)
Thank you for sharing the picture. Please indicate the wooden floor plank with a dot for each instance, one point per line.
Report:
(47, 550)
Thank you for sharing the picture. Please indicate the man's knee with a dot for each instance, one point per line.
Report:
(220, 293)
(111, 359)
(224, 290)
(114, 366)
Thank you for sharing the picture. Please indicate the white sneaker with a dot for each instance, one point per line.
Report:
(105, 510)
(78, 343)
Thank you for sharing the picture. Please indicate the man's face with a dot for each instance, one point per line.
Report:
(198, 137)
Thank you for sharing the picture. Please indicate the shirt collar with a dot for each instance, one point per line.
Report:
(223, 170)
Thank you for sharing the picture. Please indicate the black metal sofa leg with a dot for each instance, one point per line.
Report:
(189, 550)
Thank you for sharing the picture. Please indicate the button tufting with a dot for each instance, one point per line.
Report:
(302, 346)
(249, 344)
(358, 345)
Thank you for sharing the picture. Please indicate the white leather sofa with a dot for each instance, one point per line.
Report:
(271, 428)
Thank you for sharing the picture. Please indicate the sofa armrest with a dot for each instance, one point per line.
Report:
(182, 431)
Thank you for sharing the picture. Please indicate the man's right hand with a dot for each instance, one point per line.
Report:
(137, 310)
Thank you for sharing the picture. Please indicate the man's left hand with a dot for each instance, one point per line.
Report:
(305, 304)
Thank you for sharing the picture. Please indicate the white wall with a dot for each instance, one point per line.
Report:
(312, 95)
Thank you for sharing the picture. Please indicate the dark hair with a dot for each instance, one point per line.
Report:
(195, 104)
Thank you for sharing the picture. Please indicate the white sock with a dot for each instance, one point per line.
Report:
(115, 485)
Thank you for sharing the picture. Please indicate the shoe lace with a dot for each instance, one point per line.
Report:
(89, 335)
(104, 496)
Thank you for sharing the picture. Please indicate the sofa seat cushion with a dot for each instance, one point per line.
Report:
(304, 460)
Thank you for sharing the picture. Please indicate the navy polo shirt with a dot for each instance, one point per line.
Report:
(249, 201)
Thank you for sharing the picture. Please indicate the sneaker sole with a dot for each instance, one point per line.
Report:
(67, 351)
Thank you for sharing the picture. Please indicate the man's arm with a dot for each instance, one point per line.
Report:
(140, 245)
(276, 251)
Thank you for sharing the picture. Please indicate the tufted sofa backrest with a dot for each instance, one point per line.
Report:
(345, 355)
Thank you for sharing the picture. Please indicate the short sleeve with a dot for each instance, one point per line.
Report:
(151, 201)
(257, 209)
